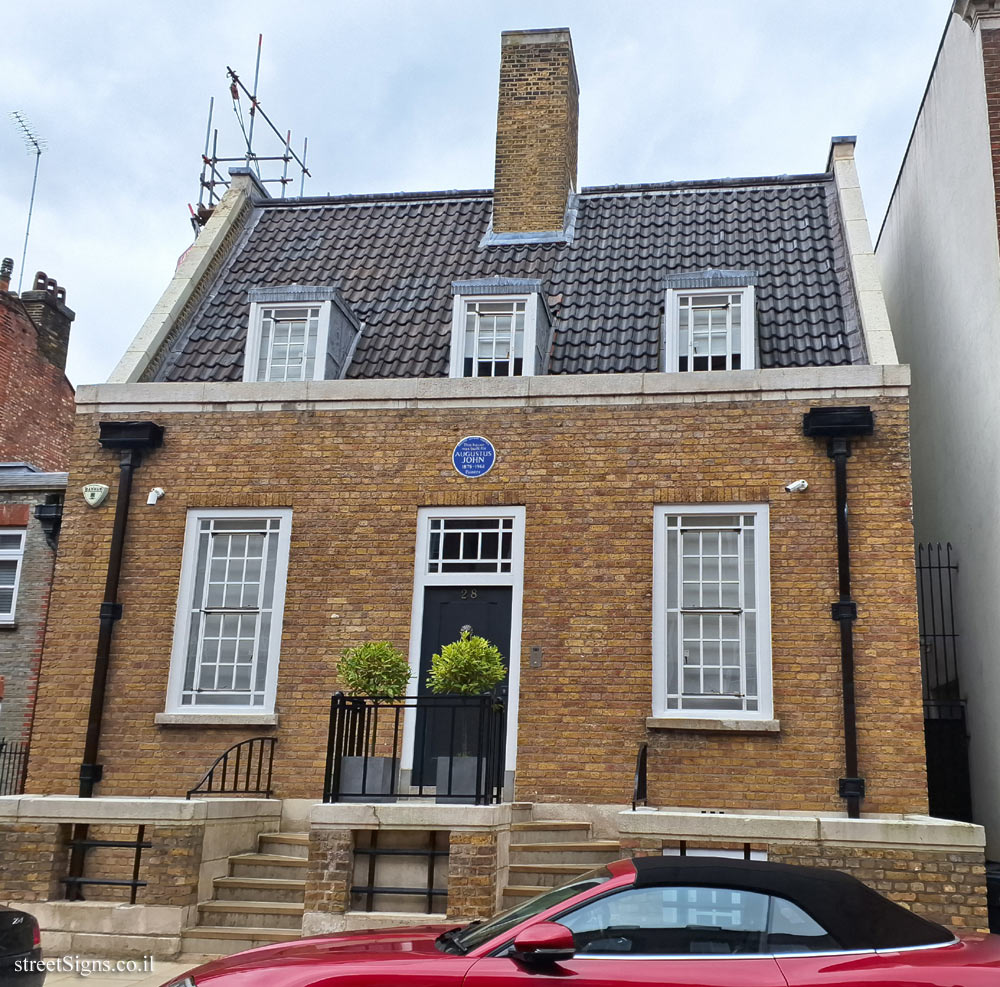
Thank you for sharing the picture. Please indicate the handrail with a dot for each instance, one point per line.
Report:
(249, 775)
(639, 785)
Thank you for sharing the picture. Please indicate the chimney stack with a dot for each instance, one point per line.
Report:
(537, 116)
(6, 272)
(46, 305)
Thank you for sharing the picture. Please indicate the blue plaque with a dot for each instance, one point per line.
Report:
(474, 456)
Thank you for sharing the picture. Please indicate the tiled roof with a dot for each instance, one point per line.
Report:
(395, 258)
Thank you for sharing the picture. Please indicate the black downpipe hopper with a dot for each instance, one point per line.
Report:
(838, 426)
(131, 439)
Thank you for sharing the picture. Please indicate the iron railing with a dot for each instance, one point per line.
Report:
(13, 767)
(81, 844)
(639, 784)
(458, 748)
(244, 769)
(435, 850)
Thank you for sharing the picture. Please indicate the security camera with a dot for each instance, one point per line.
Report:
(797, 486)
(154, 495)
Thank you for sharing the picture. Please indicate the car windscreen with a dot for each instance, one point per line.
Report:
(475, 935)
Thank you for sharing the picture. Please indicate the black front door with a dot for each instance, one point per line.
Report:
(447, 609)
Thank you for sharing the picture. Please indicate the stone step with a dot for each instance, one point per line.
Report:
(549, 875)
(258, 889)
(253, 914)
(591, 852)
(517, 894)
(284, 844)
(267, 865)
(220, 940)
(552, 830)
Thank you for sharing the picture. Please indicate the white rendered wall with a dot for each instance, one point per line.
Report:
(940, 268)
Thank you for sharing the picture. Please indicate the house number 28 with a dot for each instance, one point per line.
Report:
(470, 594)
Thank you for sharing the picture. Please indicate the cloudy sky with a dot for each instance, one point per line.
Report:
(401, 95)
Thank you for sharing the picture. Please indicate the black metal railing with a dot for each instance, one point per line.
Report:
(81, 844)
(458, 748)
(244, 769)
(435, 850)
(639, 784)
(13, 767)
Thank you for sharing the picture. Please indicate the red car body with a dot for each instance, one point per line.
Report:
(421, 957)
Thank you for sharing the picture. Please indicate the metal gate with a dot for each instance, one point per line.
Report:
(945, 730)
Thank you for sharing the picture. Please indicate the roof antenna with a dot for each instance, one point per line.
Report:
(34, 145)
(212, 179)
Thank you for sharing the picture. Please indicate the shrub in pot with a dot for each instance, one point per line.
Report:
(377, 670)
(469, 666)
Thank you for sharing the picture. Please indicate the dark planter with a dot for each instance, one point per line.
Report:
(372, 785)
(464, 770)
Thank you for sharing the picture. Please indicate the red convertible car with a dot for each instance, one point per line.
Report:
(683, 921)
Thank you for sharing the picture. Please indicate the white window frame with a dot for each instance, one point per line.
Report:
(17, 556)
(762, 574)
(423, 578)
(252, 356)
(748, 325)
(185, 604)
(458, 310)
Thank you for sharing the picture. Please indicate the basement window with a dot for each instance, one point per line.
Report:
(711, 620)
(227, 633)
(709, 322)
(11, 557)
(500, 328)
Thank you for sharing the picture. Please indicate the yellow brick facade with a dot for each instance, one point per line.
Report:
(588, 477)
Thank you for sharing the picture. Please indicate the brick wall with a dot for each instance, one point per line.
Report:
(991, 71)
(328, 875)
(589, 477)
(34, 860)
(36, 399)
(21, 643)
(536, 132)
(472, 875)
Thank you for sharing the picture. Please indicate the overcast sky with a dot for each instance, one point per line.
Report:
(397, 95)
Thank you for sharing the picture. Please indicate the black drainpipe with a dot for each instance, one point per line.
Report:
(838, 426)
(132, 438)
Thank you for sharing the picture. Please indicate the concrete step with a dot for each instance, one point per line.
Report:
(593, 853)
(209, 940)
(253, 914)
(549, 875)
(284, 844)
(267, 865)
(551, 831)
(258, 889)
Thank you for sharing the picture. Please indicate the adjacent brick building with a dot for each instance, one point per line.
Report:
(36, 421)
(602, 427)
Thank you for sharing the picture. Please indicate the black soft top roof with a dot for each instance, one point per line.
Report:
(851, 912)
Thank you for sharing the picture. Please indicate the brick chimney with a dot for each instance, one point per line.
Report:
(46, 304)
(537, 116)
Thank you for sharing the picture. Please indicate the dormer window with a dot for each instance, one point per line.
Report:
(298, 333)
(709, 321)
(500, 328)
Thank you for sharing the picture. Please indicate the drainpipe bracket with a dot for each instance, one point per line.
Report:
(91, 774)
(844, 610)
(851, 788)
(111, 611)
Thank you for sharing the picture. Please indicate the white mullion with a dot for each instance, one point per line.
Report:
(741, 598)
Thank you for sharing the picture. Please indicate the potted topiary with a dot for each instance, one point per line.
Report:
(470, 666)
(376, 670)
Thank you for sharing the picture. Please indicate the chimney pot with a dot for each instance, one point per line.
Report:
(46, 305)
(6, 272)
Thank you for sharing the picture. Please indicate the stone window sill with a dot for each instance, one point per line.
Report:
(216, 719)
(704, 723)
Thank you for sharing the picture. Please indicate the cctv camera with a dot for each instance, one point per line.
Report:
(796, 486)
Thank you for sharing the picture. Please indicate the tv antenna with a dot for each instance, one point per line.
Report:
(212, 179)
(34, 145)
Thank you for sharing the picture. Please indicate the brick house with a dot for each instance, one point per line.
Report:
(36, 422)
(940, 263)
(573, 419)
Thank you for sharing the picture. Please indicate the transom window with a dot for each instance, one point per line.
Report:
(11, 557)
(709, 331)
(712, 625)
(494, 339)
(288, 338)
(229, 625)
(468, 544)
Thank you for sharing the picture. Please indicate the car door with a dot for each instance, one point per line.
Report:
(678, 936)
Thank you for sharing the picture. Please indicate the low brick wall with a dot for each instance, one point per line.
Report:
(473, 872)
(328, 876)
(33, 859)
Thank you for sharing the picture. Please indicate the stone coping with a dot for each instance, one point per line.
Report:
(112, 810)
(409, 815)
(905, 830)
(785, 383)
